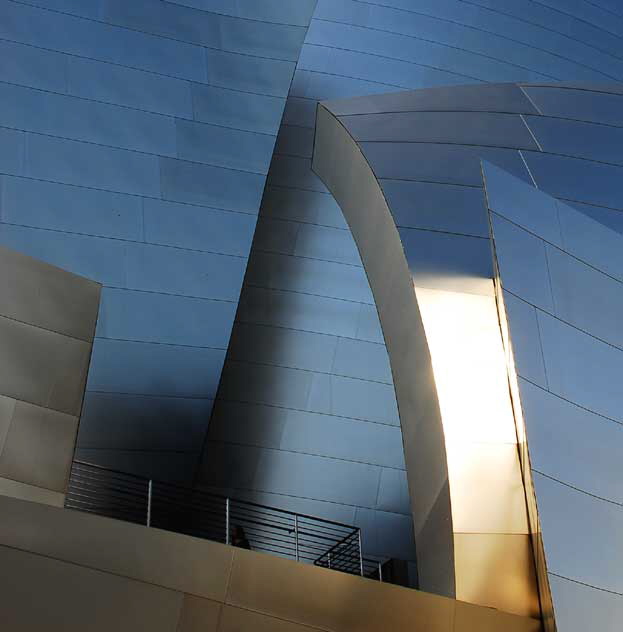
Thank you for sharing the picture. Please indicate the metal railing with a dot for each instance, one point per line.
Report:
(105, 492)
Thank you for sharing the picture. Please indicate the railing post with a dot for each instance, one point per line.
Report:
(149, 485)
(329, 559)
(227, 521)
(296, 536)
(360, 553)
(380, 571)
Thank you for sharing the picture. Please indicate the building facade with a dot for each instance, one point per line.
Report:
(164, 149)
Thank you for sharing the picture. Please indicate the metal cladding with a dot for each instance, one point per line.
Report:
(47, 325)
(135, 139)
(560, 281)
(289, 419)
(406, 170)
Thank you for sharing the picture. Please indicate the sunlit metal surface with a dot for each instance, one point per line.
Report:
(135, 140)
(546, 315)
(571, 415)
(47, 324)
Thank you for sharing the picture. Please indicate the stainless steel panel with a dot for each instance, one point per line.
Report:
(198, 228)
(444, 207)
(42, 367)
(210, 186)
(576, 179)
(374, 67)
(110, 83)
(224, 147)
(64, 33)
(582, 140)
(523, 262)
(294, 172)
(307, 207)
(587, 383)
(569, 516)
(447, 261)
(262, 39)
(12, 151)
(116, 421)
(309, 599)
(525, 339)
(571, 444)
(270, 77)
(193, 565)
(240, 619)
(175, 467)
(591, 242)
(291, 348)
(44, 296)
(453, 164)
(84, 164)
(199, 615)
(585, 297)
(33, 67)
(165, 318)
(312, 276)
(578, 104)
(393, 494)
(294, 140)
(92, 257)
(486, 129)
(155, 369)
(580, 607)
(102, 601)
(293, 474)
(363, 360)
(608, 217)
(240, 110)
(473, 98)
(386, 534)
(177, 271)
(39, 447)
(306, 312)
(313, 392)
(522, 204)
(78, 119)
(312, 433)
(59, 207)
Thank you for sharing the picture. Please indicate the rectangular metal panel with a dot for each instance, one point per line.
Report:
(165, 318)
(35, 67)
(122, 366)
(192, 565)
(240, 110)
(85, 164)
(309, 599)
(44, 296)
(224, 147)
(42, 367)
(199, 615)
(205, 185)
(72, 209)
(70, 597)
(133, 88)
(39, 447)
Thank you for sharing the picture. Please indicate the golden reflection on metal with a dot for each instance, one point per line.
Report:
(494, 565)
(323, 599)
(545, 596)
(506, 559)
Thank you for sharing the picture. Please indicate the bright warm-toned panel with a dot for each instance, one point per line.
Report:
(332, 601)
(498, 569)
(493, 557)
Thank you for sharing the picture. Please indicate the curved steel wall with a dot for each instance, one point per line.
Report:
(413, 139)
(561, 274)
(307, 402)
(135, 138)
